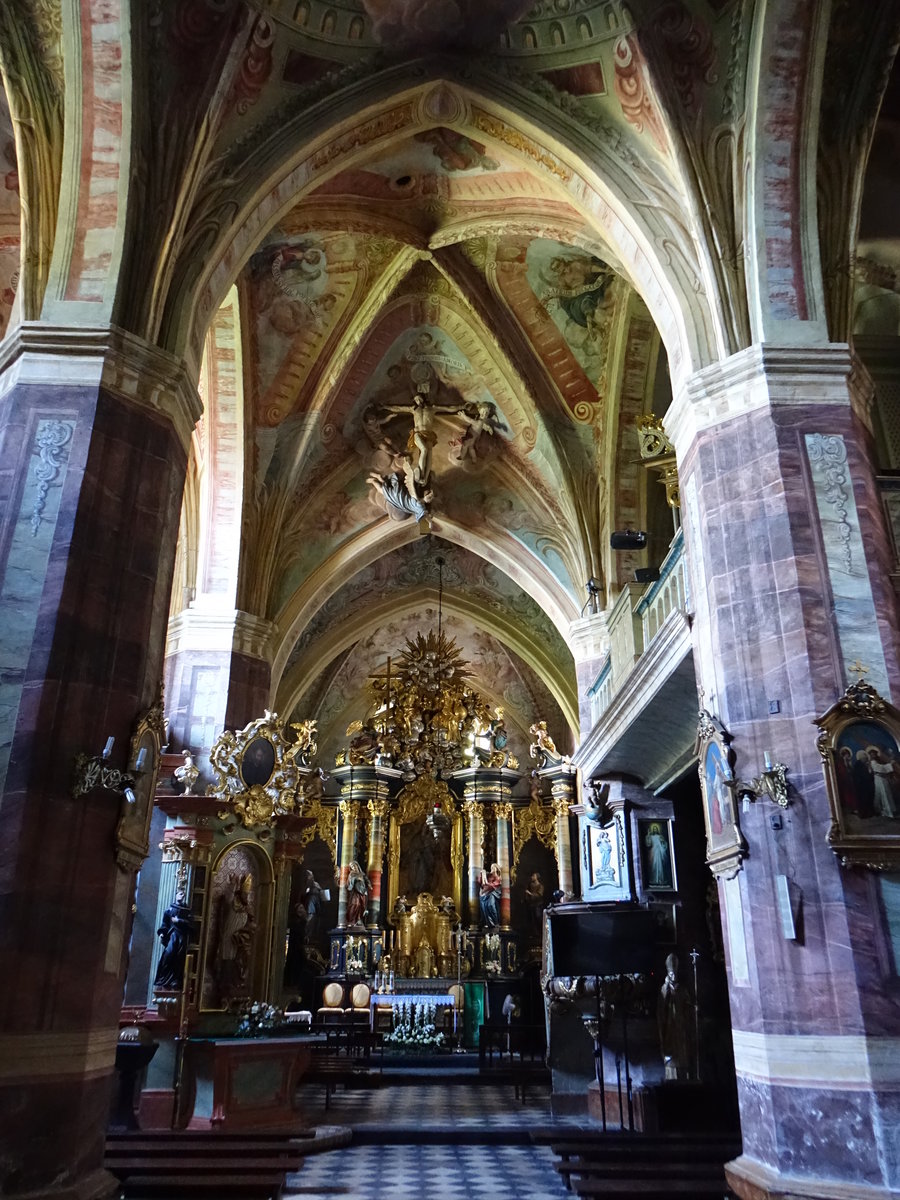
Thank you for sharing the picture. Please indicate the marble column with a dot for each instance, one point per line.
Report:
(790, 572)
(562, 790)
(95, 426)
(504, 818)
(378, 810)
(474, 812)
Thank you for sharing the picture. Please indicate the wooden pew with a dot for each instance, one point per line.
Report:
(242, 1166)
(618, 1166)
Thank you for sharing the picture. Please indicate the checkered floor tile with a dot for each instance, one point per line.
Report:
(423, 1171)
(430, 1173)
(427, 1105)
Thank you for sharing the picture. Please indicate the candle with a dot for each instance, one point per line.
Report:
(767, 757)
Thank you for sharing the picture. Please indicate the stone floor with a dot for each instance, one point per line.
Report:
(433, 1142)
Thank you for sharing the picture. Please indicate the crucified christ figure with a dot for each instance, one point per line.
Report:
(422, 438)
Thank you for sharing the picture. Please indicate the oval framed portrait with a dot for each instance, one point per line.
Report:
(258, 762)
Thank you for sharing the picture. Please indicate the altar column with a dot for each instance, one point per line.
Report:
(562, 789)
(504, 817)
(378, 806)
(348, 810)
(475, 814)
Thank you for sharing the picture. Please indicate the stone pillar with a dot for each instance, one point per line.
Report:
(474, 812)
(790, 577)
(504, 817)
(95, 426)
(562, 790)
(378, 810)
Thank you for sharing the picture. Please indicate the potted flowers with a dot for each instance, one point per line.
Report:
(414, 1027)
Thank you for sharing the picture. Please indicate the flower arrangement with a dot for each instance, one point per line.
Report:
(414, 1027)
(491, 962)
(258, 1019)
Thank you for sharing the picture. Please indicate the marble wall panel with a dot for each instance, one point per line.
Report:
(845, 556)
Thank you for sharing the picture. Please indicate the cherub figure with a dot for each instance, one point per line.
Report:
(479, 418)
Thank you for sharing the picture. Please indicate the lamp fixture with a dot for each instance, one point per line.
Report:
(92, 771)
(770, 784)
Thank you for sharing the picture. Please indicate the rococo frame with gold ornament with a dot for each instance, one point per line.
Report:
(857, 847)
(281, 794)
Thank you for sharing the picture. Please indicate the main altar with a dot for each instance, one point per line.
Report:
(421, 859)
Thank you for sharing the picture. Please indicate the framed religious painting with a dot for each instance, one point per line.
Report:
(859, 742)
(655, 847)
(725, 845)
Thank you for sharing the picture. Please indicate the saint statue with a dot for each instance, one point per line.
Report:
(489, 900)
(176, 927)
(424, 961)
(236, 938)
(535, 903)
(358, 888)
(672, 1022)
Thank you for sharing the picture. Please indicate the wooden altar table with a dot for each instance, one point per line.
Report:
(245, 1083)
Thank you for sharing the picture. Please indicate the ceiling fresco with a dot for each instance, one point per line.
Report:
(359, 337)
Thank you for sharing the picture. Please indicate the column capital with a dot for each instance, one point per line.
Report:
(378, 807)
(472, 808)
(561, 803)
(37, 352)
(503, 811)
(764, 376)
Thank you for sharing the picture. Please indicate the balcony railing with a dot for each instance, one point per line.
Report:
(670, 591)
(635, 620)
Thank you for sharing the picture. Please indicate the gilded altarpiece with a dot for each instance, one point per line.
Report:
(417, 860)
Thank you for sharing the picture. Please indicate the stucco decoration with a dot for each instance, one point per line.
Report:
(10, 232)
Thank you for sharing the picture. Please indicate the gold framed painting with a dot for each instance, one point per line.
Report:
(725, 845)
(859, 742)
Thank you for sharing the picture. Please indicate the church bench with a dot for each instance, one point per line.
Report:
(187, 1164)
(630, 1169)
(261, 1186)
(345, 1058)
(660, 1189)
(604, 1146)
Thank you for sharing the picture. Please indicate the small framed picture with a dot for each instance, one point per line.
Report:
(657, 860)
(725, 845)
(860, 747)
(604, 854)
